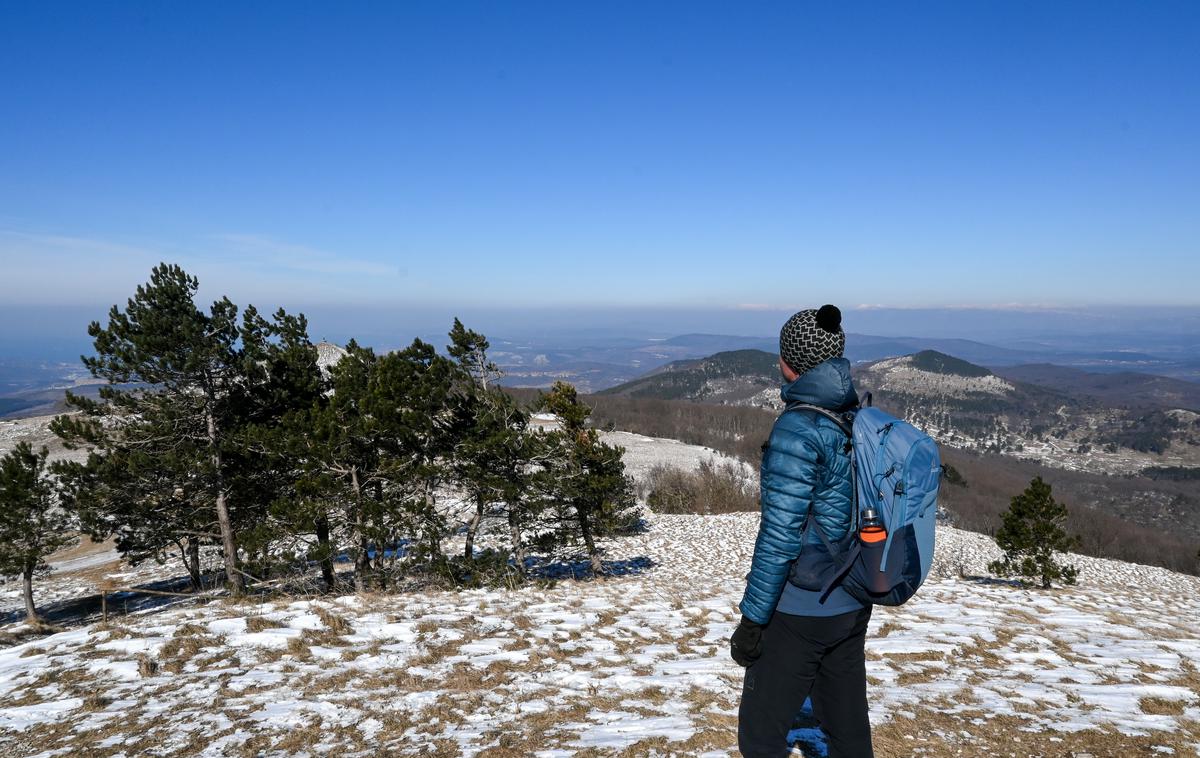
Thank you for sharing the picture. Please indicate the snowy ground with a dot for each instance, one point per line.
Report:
(634, 664)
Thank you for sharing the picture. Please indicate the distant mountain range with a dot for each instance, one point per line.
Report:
(1116, 423)
(1124, 389)
(597, 362)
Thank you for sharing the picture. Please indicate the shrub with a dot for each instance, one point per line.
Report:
(713, 488)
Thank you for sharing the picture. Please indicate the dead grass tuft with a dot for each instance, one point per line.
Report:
(334, 622)
(1159, 706)
(96, 702)
(887, 628)
(190, 630)
(262, 624)
(147, 666)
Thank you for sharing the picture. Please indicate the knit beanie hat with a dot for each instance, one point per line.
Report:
(811, 337)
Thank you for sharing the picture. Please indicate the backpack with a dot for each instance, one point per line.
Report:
(895, 471)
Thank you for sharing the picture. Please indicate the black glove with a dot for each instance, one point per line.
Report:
(745, 646)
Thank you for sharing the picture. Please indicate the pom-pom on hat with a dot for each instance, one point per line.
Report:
(812, 336)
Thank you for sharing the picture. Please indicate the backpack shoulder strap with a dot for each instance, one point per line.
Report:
(845, 425)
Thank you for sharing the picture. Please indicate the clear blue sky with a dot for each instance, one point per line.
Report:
(689, 155)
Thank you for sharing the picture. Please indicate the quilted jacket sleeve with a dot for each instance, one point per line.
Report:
(789, 475)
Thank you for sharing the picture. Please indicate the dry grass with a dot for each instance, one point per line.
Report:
(887, 628)
(147, 666)
(325, 638)
(262, 624)
(938, 734)
(923, 655)
(921, 676)
(1159, 706)
(334, 622)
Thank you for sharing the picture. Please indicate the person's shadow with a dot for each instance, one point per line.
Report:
(806, 734)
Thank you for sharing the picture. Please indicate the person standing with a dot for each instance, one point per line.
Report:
(794, 643)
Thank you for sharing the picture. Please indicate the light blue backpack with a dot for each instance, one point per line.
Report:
(896, 471)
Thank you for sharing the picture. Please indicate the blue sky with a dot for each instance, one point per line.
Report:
(609, 156)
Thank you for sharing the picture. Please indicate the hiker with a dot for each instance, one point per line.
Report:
(794, 643)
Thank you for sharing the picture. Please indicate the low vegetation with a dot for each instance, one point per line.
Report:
(710, 489)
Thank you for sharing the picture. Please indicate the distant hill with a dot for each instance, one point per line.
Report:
(1112, 423)
(864, 348)
(956, 397)
(940, 363)
(1125, 389)
(733, 377)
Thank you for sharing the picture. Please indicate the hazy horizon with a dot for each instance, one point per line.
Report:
(60, 332)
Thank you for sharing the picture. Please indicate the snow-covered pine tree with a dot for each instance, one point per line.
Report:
(32, 525)
(1031, 533)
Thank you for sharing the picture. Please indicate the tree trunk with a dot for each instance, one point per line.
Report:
(228, 543)
(435, 537)
(585, 528)
(190, 552)
(378, 568)
(472, 527)
(518, 546)
(326, 551)
(362, 562)
(27, 579)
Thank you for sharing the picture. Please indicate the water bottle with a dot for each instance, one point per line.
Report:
(872, 536)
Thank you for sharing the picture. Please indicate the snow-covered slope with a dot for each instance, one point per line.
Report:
(637, 662)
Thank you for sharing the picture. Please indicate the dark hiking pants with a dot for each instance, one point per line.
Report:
(802, 656)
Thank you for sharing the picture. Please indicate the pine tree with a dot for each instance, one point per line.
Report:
(32, 525)
(469, 349)
(587, 476)
(372, 454)
(336, 441)
(282, 364)
(413, 402)
(170, 461)
(495, 453)
(1030, 535)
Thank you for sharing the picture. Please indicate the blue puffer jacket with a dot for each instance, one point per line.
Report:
(804, 466)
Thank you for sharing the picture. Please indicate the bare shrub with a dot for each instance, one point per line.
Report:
(713, 488)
